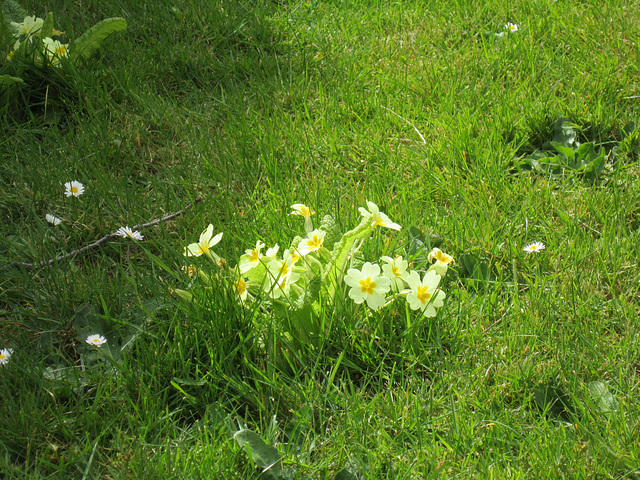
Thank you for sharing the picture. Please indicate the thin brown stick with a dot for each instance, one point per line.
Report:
(102, 240)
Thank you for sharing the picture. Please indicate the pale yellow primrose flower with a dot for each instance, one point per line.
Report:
(207, 240)
(424, 294)
(73, 189)
(535, 247)
(281, 275)
(96, 340)
(5, 355)
(54, 50)
(251, 258)
(442, 260)
(378, 219)
(312, 243)
(367, 284)
(303, 211)
(241, 288)
(29, 26)
(396, 270)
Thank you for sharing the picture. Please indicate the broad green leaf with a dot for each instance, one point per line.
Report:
(605, 401)
(6, 80)
(554, 402)
(564, 132)
(47, 26)
(263, 455)
(567, 152)
(90, 41)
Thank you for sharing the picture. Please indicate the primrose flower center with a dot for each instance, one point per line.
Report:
(377, 221)
(396, 272)
(367, 285)
(315, 242)
(255, 256)
(241, 286)
(423, 295)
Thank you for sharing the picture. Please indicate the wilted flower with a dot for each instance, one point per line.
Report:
(442, 260)
(378, 219)
(535, 247)
(367, 284)
(96, 340)
(127, 232)
(53, 219)
(207, 240)
(73, 189)
(424, 294)
(5, 355)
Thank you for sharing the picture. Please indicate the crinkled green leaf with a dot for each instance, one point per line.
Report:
(263, 455)
(6, 80)
(47, 26)
(90, 41)
(605, 401)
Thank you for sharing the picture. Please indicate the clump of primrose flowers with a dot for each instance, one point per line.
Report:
(297, 282)
(34, 42)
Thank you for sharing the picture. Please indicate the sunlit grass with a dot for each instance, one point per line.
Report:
(256, 106)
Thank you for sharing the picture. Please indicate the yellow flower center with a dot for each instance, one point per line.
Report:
(305, 211)
(423, 295)
(74, 189)
(2, 356)
(396, 272)
(315, 242)
(241, 286)
(204, 247)
(284, 268)
(533, 247)
(367, 285)
(61, 50)
(377, 221)
(255, 256)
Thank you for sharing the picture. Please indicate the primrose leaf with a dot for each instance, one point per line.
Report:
(605, 401)
(263, 455)
(564, 132)
(85, 45)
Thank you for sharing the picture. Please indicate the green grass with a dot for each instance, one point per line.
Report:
(255, 106)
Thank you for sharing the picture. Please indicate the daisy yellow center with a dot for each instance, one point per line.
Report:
(2, 356)
(533, 247)
(423, 294)
(96, 340)
(74, 189)
(367, 285)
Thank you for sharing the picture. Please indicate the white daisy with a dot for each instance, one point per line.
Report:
(53, 219)
(97, 340)
(73, 189)
(5, 355)
(127, 232)
(535, 247)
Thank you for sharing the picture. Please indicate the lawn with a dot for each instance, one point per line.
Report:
(479, 128)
